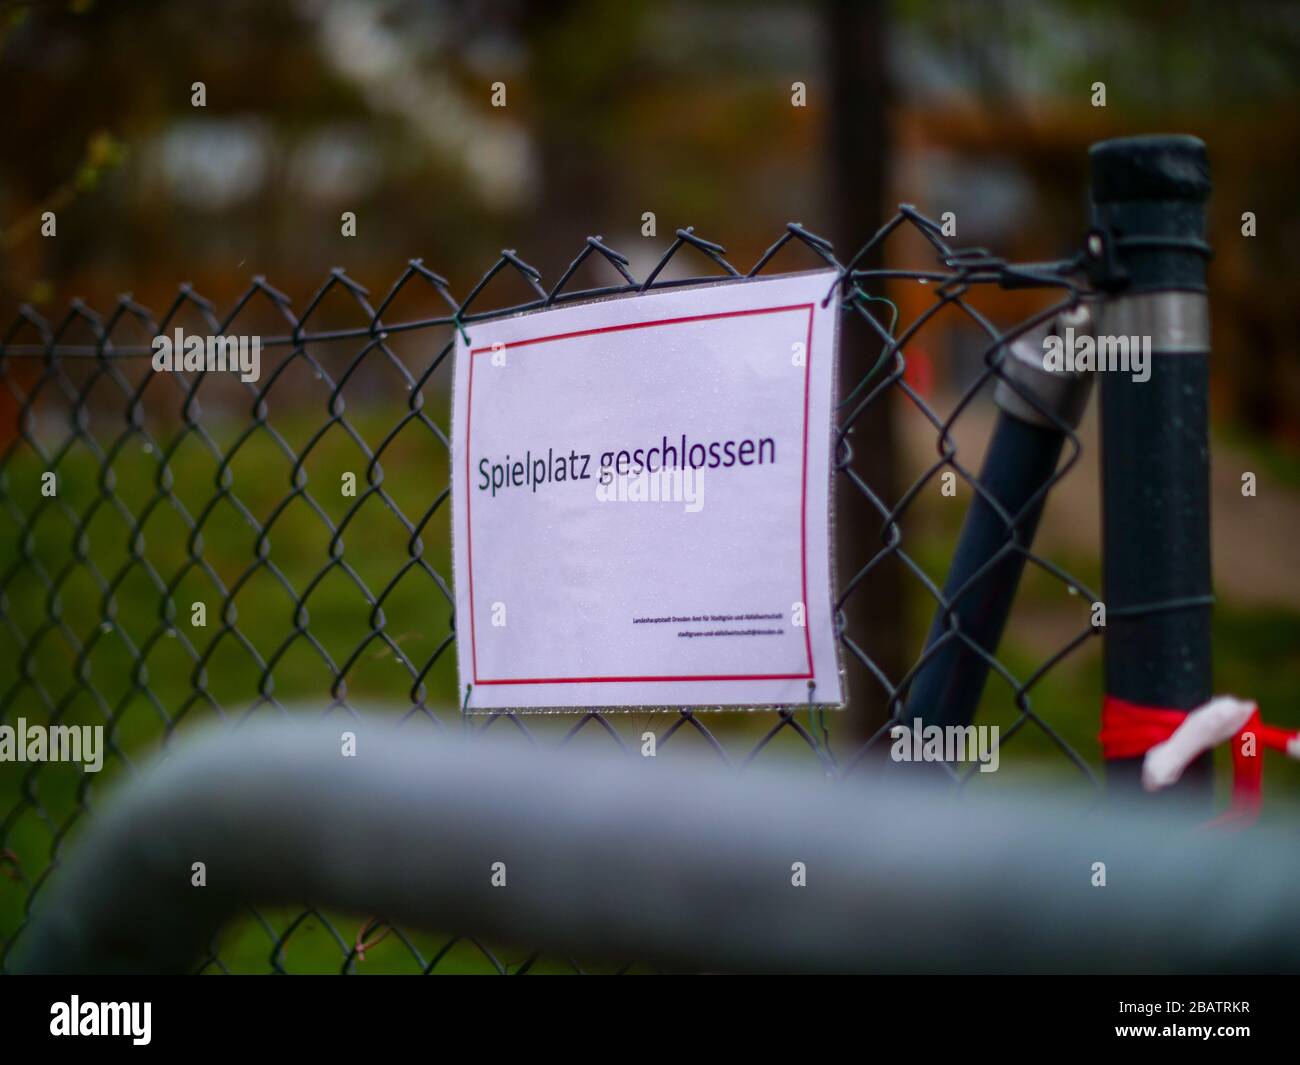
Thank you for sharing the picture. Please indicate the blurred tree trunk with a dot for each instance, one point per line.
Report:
(859, 145)
(577, 95)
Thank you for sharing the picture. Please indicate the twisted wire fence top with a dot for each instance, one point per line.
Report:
(178, 490)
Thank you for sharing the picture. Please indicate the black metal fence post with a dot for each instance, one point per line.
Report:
(1148, 249)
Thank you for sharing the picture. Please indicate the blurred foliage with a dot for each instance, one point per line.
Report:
(315, 107)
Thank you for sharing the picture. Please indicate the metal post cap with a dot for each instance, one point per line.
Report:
(1165, 167)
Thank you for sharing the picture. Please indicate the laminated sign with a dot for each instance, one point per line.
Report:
(641, 501)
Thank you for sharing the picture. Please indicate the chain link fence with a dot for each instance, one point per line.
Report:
(196, 553)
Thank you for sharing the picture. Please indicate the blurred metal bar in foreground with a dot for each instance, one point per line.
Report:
(674, 862)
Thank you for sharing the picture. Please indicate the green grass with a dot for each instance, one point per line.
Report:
(1280, 463)
(98, 585)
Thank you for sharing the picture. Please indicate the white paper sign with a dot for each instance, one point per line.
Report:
(641, 501)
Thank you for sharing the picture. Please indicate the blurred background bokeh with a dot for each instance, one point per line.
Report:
(685, 110)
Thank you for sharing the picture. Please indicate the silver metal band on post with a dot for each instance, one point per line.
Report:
(1177, 322)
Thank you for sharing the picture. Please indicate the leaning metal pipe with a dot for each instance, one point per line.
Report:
(1022, 458)
(668, 860)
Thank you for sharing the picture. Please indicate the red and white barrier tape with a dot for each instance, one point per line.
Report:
(1172, 739)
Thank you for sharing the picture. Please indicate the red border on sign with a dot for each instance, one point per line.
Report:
(803, 501)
